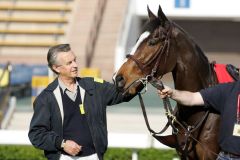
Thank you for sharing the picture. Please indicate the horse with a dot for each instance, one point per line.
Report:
(164, 47)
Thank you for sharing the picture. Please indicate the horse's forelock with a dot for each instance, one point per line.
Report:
(150, 26)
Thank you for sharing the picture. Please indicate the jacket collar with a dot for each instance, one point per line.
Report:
(85, 83)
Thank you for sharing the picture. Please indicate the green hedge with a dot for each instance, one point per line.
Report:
(18, 152)
(14, 152)
(143, 154)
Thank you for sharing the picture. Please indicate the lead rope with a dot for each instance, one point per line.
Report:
(168, 110)
(171, 119)
(146, 118)
(159, 85)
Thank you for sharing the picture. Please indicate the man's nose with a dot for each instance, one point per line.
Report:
(75, 64)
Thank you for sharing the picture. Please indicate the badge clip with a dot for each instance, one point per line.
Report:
(82, 111)
(236, 130)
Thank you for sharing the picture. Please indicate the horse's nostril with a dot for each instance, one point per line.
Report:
(119, 81)
(119, 78)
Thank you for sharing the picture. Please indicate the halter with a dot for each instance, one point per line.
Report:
(157, 55)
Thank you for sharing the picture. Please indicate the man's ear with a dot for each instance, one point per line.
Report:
(55, 68)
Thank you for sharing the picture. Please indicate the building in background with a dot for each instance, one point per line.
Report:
(109, 29)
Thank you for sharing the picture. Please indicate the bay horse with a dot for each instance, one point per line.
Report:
(165, 47)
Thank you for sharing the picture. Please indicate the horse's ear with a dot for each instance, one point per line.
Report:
(161, 15)
(150, 14)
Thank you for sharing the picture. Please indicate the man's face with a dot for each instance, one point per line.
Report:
(67, 65)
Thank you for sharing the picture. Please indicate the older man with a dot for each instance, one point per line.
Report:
(69, 120)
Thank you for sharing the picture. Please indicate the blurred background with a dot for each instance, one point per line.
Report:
(101, 33)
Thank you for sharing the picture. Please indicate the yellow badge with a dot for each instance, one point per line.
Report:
(81, 109)
(99, 80)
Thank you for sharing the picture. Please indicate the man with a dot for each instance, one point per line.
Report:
(69, 120)
(225, 98)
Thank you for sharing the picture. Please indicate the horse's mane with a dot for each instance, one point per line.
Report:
(204, 60)
(195, 45)
(151, 25)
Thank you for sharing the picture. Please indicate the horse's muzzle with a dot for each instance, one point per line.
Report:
(120, 82)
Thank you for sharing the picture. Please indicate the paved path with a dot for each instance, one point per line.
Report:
(134, 123)
(126, 126)
(120, 120)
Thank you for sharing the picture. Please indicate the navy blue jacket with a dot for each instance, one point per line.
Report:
(46, 129)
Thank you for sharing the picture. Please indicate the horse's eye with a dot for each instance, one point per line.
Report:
(153, 41)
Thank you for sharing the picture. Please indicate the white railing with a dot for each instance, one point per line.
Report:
(7, 118)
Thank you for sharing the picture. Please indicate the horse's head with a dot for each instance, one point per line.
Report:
(150, 57)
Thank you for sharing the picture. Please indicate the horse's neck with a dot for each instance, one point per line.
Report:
(192, 71)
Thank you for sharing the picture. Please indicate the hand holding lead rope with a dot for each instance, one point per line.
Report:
(157, 83)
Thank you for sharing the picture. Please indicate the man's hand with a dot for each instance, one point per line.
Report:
(166, 92)
(72, 147)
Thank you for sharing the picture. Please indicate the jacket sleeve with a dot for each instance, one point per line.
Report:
(112, 95)
(40, 133)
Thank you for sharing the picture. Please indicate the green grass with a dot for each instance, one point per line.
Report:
(143, 154)
(19, 152)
